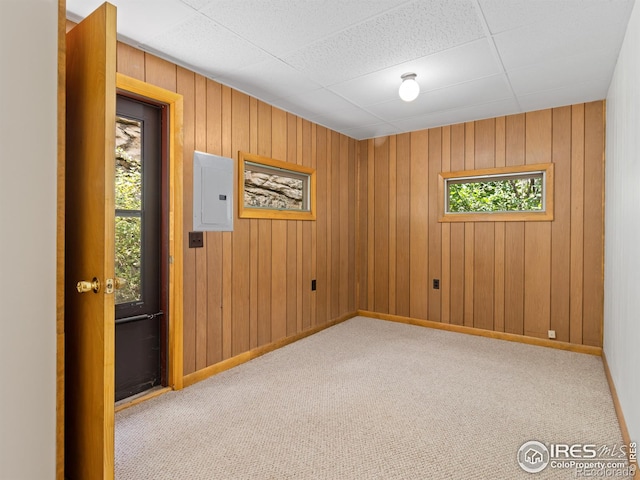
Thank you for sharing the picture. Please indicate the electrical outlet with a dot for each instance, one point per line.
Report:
(436, 283)
(196, 240)
(313, 285)
(552, 334)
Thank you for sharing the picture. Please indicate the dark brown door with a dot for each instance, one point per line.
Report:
(140, 317)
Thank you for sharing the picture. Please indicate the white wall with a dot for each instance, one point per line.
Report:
(622, 227)
(28, 164)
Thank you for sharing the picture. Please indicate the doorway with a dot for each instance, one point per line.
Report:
(140, 249)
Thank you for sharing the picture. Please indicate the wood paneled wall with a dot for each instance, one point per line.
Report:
(252, 286)
(518, 277)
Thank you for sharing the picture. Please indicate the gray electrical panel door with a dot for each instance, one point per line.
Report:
(212, 193)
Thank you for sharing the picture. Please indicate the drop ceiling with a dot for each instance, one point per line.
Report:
(338, 62)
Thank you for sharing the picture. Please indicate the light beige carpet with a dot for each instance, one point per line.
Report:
(370, 399)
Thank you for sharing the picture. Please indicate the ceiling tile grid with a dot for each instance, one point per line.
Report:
(338, 62)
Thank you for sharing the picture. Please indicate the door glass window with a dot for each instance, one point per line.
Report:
(129, 206)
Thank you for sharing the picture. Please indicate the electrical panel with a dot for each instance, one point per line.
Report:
(212, 193)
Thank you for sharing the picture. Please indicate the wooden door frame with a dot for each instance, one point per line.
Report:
(174, 102)
(60, 245)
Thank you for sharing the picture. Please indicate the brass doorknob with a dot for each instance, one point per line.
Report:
(119, 283)
(85, 286)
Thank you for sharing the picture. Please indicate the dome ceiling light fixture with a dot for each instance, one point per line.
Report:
(409, 88)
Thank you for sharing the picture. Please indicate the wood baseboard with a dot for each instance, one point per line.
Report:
(626, 438)
(511, 337)
(211, 370)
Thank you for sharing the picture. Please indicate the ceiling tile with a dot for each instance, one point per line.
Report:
(569, 95)
(158, 15)
(269, 80)
(339, 62)
(205, 45)
(198, 4)
(350, 117)
(504, 15)
(596, 28)
(313, 104)
(459, 115)
(557, 73)
(282, 26)
(476, 92)
(456, 65)
(412, 31)
(371, 131)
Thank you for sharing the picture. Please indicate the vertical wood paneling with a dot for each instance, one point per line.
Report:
(484, 235)
(214, 326)
(419, 225)
(336, 210)
(186, 88)
(264, 285)
(307, 252)
(254, 244)
(292, 237)
(351, 285)
(329, 225)
(393, 198)
(321, 226)
(371, 224)
(469, 232)
(264, 270)
(518, 277)
(435, 230)
(254, 306)
(240, 257)
(561, 227)
(514, 278)
(537, 245)
(130, 61)
(403, 222)
(278, 280)
(593, 307)
(214, 239)
(445, 283)
(344, 226)
(362, 234)
(483, 278)
(227, 237)
(498, 279)
(201, 286)
(456, 315)
(279, 237)
(381, 232)
(514, 235)
(577, 223)
(160, 73)
(537, 267)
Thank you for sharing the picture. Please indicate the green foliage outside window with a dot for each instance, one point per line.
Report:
(128, 226)
(505, 195)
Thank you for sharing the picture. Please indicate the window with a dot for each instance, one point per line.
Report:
(270, 188)
(522, 193)
(128, 209)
